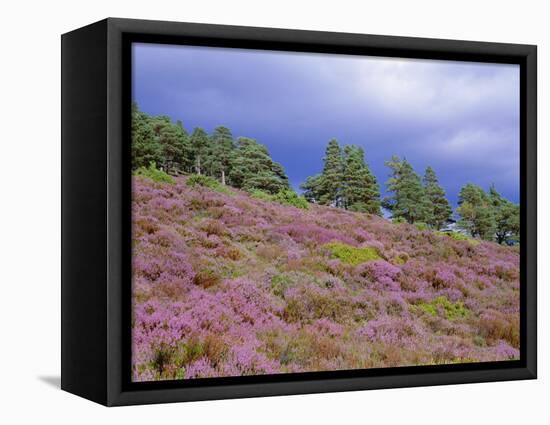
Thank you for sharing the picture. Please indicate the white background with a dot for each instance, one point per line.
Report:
(30, 210)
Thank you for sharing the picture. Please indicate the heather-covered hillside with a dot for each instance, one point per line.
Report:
(226, 284)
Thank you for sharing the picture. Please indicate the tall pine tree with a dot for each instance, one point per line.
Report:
(222, 146)
(440, 209)
(332, 178)
(476, 212)
(174, 144)
(506, 216)
(184, 162)
(200, 146)
(408, 200)
(360, 191)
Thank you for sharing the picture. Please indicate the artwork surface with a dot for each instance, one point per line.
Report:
(300, 212)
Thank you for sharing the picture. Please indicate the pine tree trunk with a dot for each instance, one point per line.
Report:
(199, 165)
(223, 177)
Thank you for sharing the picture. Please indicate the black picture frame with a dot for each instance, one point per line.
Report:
(96, 255)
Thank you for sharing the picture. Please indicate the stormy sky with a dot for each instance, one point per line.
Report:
(461, 118)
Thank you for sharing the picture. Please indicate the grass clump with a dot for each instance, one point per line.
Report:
(279, 283)
(452, 311)
(460, 237)
(153, 173)
(351, 255)
(206, 278)
(208, 182)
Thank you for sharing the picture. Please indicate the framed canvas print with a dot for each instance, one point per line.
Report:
(252, 212)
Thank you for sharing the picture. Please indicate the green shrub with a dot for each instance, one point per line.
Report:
(208, 182)
(153, 173)
(260, 194)
(284, 197)
(289, 197)
(398, 220)
(279, 283)
(291, 279)
(459, 237)
(351, 255)
(201, 180)
(452, 311)
(421, 226)
(188, 352)
(400, 258)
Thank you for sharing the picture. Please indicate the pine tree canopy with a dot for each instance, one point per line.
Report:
(506, 216)
(408, 200)
(219, 159)
(440, 208)
(312, 188)
(477, 214)
(360, 191)
(145, 147)
(200, 144)
(253, 168)
(345, 182)
(332, 176)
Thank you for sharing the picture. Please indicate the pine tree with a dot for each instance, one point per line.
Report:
(145, 147)
(506, 216)
(279, 171)
(174, 144)
(184, 162)
(312, 188)
(409, 201)
(200, 145)
(331, 182)
(221, 148)
(360, 191)
(439, 205)
(476, 212)
(252, 168)
(352, 176)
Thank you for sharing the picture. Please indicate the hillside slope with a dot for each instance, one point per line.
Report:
(226, 285)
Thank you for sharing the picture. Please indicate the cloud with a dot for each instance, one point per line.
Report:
(437, 91)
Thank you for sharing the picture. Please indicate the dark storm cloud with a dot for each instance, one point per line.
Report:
(460, 118)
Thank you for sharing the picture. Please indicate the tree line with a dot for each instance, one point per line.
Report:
(485, 215)
(488, 215)
(345, 181)
(242, 163)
